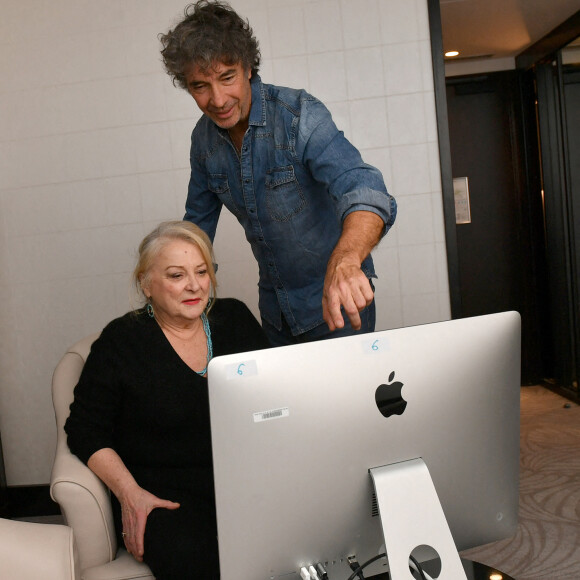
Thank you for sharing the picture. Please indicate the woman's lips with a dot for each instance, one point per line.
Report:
(192, 301)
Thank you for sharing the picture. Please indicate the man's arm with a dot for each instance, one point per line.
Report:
(345, 283)
(202, 207)
(355, 186)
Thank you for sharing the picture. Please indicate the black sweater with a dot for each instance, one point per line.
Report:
(136, 396)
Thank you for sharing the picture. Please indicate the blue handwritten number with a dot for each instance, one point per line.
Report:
(240, 371)
(375, 345)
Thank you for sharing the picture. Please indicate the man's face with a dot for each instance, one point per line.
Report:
(222, 92)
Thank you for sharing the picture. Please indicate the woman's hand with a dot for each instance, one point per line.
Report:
(136, 504)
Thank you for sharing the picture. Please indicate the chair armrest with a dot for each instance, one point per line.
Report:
(86, 506)
(29, 551)
(83, 499)
(124, 566)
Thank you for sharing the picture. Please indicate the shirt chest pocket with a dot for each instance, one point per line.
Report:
(219, 185)
(284, 196)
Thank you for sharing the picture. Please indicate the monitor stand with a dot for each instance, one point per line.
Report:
(412, 516)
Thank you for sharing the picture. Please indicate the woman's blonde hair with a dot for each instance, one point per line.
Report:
(164, 233)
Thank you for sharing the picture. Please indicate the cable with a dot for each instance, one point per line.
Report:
(354, 565)
(417, 567)
(359, 569)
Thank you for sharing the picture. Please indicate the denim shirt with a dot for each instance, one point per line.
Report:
(295, 180)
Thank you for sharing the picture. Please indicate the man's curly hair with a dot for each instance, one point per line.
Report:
(211, 32)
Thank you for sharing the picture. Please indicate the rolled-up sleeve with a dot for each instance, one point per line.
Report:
(335, 162)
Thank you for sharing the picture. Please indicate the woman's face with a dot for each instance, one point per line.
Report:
(178, 283)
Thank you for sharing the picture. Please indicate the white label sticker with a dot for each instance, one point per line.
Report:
(271, 414)
(245, 368)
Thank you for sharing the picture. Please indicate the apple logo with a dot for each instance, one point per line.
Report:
(389, 398)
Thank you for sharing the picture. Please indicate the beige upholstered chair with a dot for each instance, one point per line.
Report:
(83, 499)
(29, 551)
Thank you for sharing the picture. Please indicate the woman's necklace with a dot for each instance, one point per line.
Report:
(207, 331)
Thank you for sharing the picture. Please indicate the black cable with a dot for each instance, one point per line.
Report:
(419, 567)
(354, 565)
(358, 571)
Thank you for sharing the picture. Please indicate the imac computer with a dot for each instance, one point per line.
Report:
(402, 441)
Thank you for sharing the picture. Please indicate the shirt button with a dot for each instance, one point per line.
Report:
(247, 180)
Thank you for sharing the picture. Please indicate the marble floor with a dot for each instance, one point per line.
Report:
(547, 543)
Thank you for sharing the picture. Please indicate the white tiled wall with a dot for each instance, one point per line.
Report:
(94, 152)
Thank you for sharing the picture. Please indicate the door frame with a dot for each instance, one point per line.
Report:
(531, 63)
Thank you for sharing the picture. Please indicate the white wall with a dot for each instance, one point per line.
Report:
(94, 152)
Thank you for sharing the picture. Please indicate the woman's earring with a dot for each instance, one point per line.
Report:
(149, 309)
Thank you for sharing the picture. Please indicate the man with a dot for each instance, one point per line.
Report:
(311, 209)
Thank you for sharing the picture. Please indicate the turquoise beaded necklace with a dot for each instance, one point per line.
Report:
(207, 331)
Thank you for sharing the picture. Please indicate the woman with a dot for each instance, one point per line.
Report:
(140, 416)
